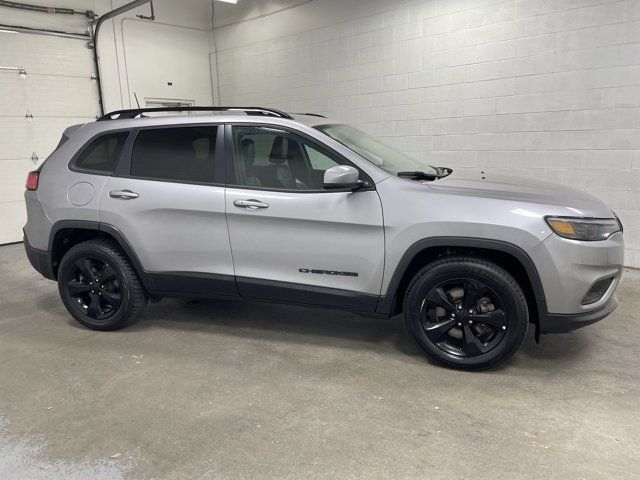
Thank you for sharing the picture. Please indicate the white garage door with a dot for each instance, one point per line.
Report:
(56, 90)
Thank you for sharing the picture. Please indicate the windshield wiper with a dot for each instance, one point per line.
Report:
(441, 172)
(418, 175)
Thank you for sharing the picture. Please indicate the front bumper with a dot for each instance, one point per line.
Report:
(568, 269)
(39, 259)
(563, 323)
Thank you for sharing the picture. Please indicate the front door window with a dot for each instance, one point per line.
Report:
(276, 159)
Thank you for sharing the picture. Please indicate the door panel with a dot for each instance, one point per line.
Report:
(333, 240)
(171, 209)
(173, 227)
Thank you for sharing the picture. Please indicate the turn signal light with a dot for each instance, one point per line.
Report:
(32, 180)
(562, 227)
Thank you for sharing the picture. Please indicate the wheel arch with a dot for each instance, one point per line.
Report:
(509, 256)
(67, 233)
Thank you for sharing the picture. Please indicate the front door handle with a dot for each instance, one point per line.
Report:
(123, 194)
(250, 204)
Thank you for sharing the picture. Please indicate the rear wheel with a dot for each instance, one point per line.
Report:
(99, 286)
(466, 312)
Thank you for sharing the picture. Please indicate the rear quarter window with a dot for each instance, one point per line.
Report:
(101, 154)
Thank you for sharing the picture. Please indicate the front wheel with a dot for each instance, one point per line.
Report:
(466, 312)
(99, 286)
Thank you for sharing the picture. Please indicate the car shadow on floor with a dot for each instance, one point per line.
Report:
(278, 322)
(320, 326)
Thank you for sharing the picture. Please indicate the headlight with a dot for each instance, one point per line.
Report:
(588, 229)
(619, 222)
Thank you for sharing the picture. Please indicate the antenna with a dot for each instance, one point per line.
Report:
(136, 97)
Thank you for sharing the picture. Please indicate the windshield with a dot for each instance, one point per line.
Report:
(377, 152)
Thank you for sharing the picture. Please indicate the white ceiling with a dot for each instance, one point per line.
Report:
(226, 13)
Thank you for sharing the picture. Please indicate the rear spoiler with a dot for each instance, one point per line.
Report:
(68, 132)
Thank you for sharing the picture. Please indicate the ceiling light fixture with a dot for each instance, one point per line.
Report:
(2, 30)
(229, 1)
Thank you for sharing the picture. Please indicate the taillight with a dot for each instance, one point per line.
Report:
(32, 180)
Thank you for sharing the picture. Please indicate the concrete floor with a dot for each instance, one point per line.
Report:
(231, 390)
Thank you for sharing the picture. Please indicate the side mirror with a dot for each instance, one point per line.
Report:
(342, 177)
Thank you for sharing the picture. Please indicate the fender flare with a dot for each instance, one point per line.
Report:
(387, 302)
(145, 278)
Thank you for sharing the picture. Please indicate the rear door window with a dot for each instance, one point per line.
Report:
(180, 154)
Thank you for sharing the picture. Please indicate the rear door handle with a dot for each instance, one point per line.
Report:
(250, 204)
(123, 194)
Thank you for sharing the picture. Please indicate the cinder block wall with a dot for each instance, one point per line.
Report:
(540, 88)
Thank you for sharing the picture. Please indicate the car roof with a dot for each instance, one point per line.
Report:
(293, 119)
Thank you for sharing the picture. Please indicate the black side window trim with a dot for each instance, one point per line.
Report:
(230, 147)
(123, 169)
(72, 163)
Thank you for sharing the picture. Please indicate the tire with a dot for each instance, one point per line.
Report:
(112, 298)
(448, 302)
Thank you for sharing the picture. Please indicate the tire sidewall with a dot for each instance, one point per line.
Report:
(64, 275)
(517, 314)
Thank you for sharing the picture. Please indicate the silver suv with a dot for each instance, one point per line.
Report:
(254, 203)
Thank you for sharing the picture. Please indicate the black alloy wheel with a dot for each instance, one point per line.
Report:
(95, 287)
(99, 286)
(466, 312)
(464, 317)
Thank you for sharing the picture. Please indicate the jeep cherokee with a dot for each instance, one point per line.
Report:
(254, 203)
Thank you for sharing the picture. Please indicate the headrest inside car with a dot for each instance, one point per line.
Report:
(279, 150)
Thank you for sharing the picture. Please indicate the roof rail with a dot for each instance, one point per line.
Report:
(310, 114)
(134, 112)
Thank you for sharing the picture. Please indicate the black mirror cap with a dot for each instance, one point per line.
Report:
(345, 186)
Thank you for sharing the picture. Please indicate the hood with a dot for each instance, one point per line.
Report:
(569, 201)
